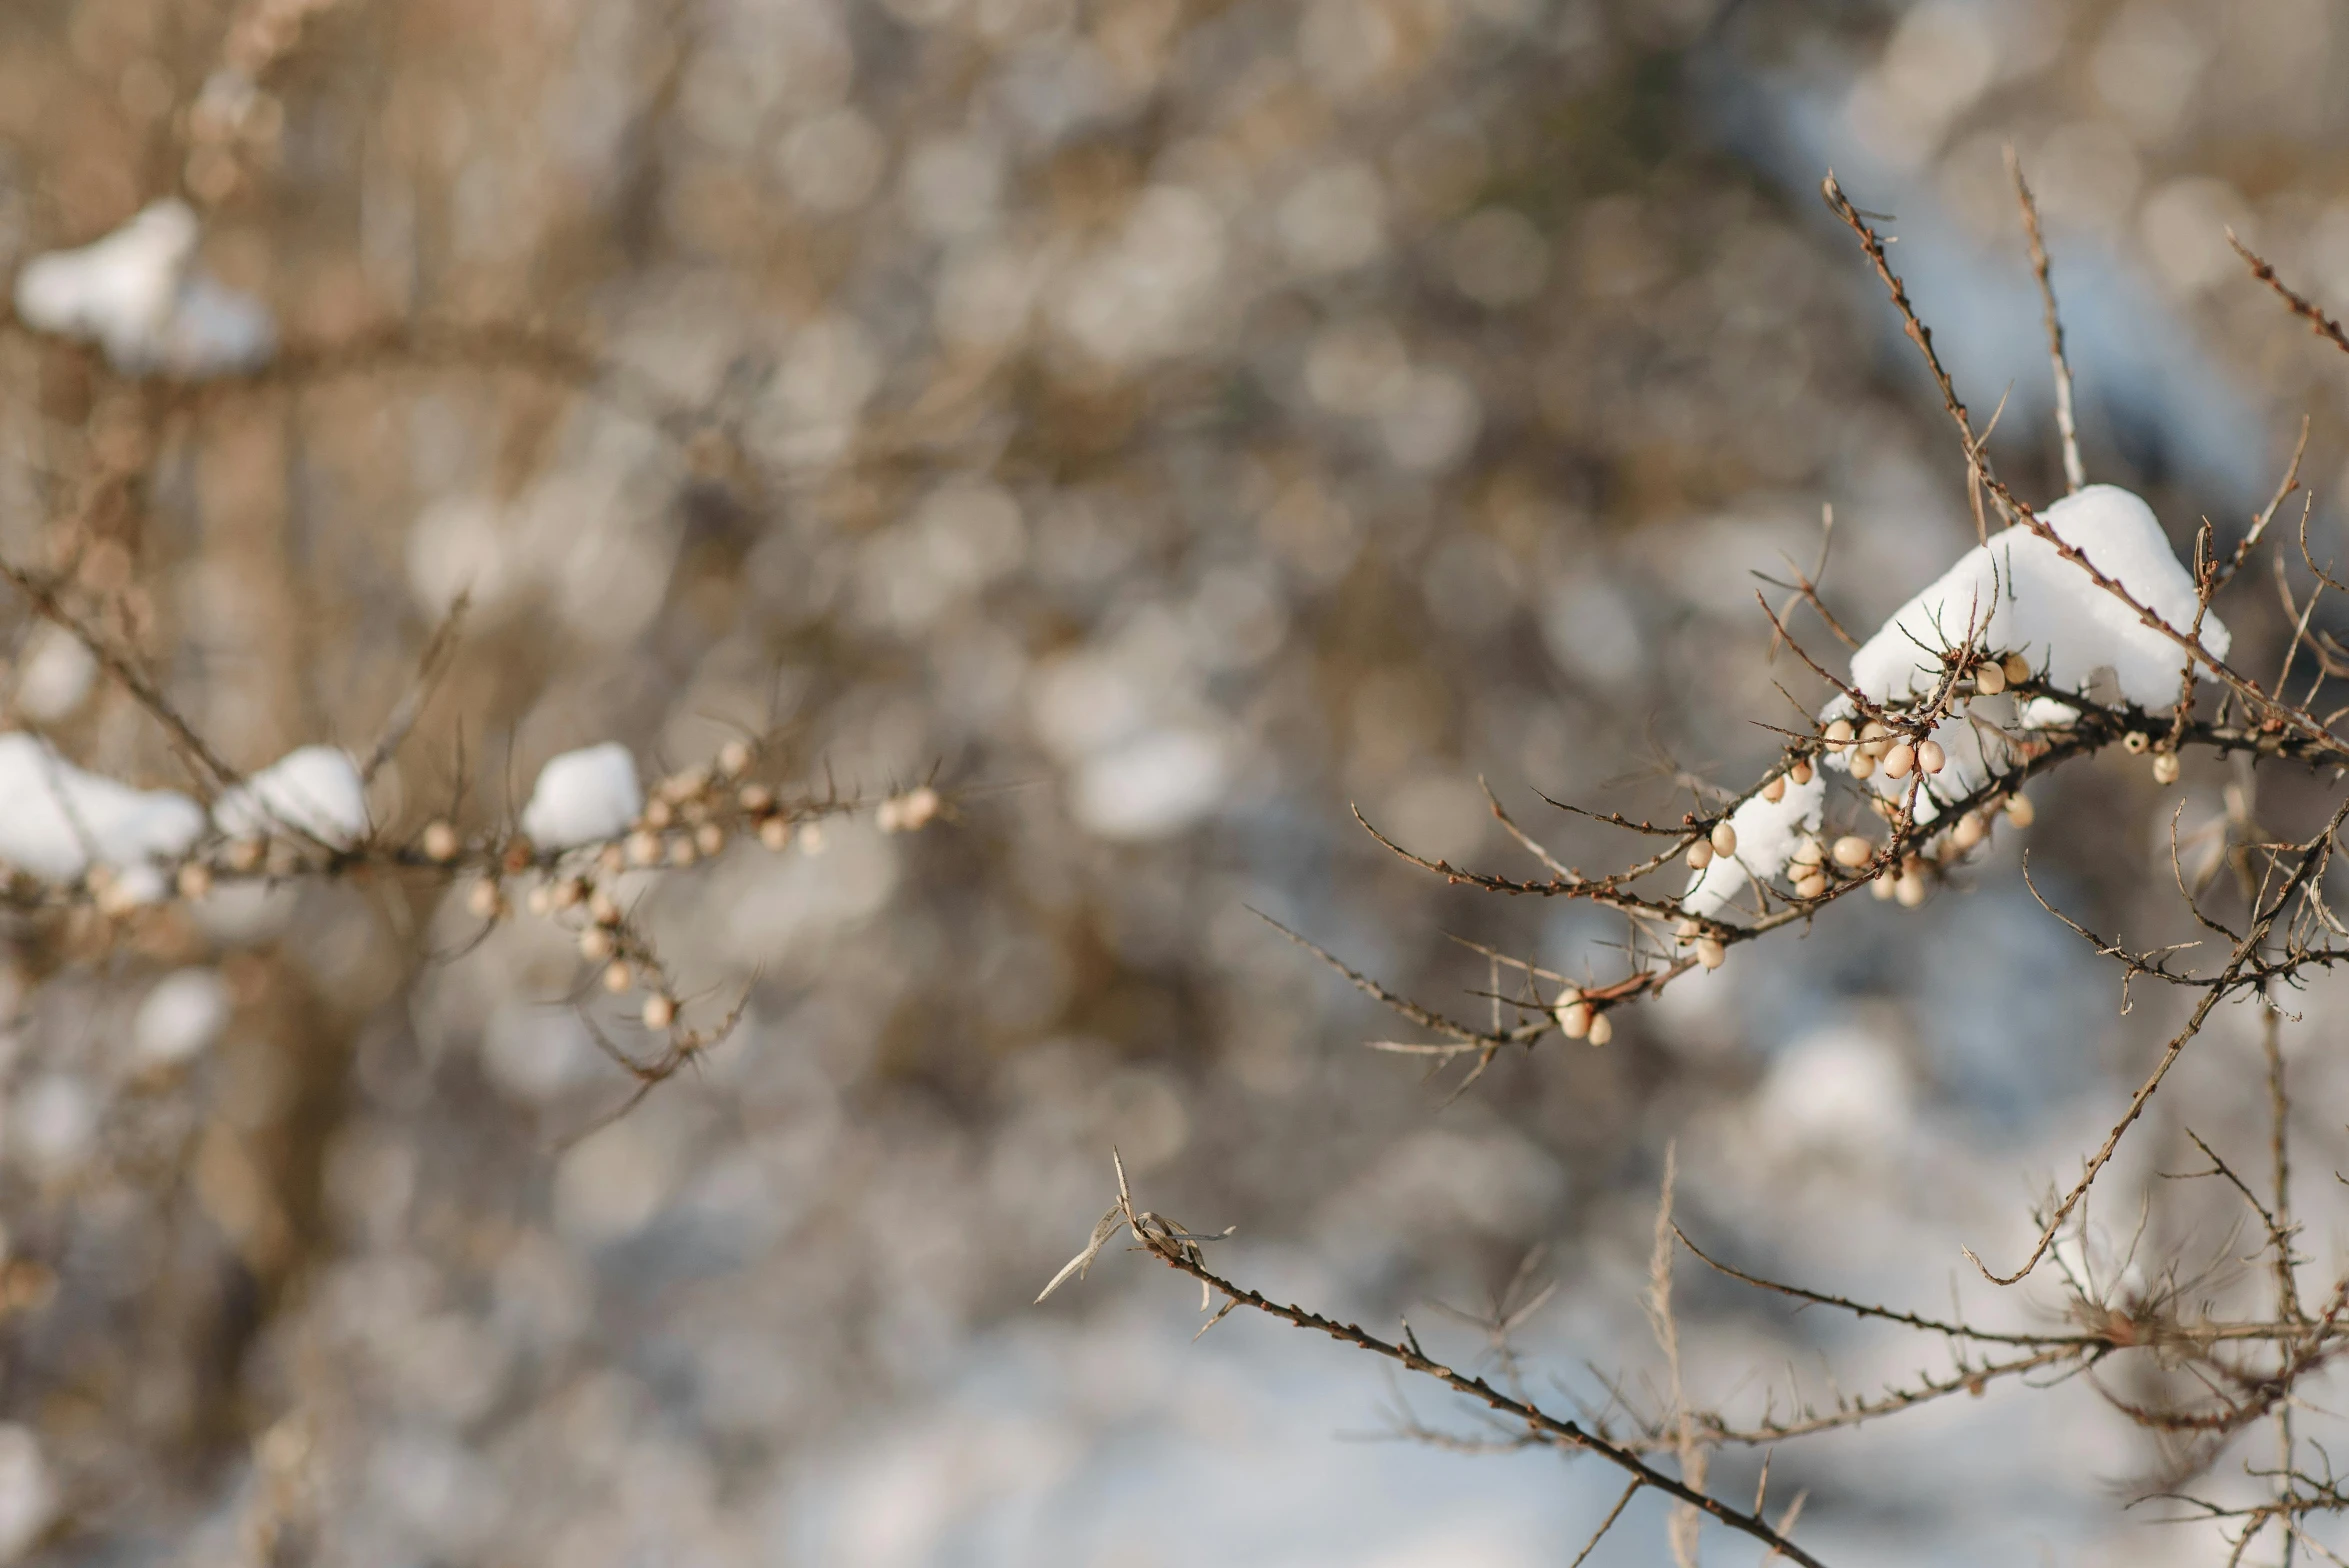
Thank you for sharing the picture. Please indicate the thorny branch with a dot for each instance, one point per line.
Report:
(1181, 1250)
(2241, 1369)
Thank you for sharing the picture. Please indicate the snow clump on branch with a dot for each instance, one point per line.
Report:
(59, 821)
(139, 293)
(2018, 596)
(1766, 834)
(315, 792)
(584, 797)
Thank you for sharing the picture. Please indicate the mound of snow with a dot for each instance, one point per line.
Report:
(1768, 833)
(56, 821)
(583, 796)
(315, 791)
(2017, 594)
(137, 293)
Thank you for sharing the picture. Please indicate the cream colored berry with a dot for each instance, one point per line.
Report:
(1968, 832)
(1711, 953)
(195, 880)
(1813, 884)
(644, 849)
(1839, 733)
(1573, 1014)
(1853, 851)
(1989, 678)
(618, 977)
(1910, 889)
(1900, 761)
(811, 839)
(441, 842)
(484, 900)
(659, 1011)
(1775, 790)
(1724, 839)
(1863, 766)
(2165, 767)
(756, 799)
(2018, 810)
(709, 838)
(1602, 1029)
(1930, 757)
(733, 759)
(1700, 855)
(2016, 667)
(2135, 742)
(1800, 772)
(775, 833)
(596, 944)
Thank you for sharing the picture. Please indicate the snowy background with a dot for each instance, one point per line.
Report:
(1173, 422)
